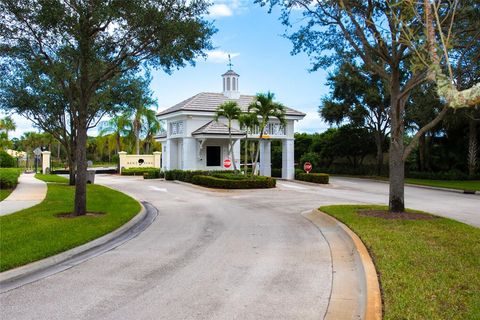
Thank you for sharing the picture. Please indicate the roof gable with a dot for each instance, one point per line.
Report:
(209, 102)
(215, 127)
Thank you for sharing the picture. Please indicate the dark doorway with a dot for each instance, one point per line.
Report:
(213, 156)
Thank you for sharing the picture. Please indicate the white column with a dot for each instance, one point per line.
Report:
(122, 158)
(189, 154)
(46, 162)
(170, 155)
(288, 160)
(157, 155)
(164, 155)
(265, 158)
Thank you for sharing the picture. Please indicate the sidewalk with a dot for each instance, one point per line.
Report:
(29, 192)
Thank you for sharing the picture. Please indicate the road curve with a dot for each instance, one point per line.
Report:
(208, 255)
(217, 254)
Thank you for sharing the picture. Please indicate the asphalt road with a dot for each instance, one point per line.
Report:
(217, 255)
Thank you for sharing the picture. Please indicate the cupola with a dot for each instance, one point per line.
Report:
(230, 82)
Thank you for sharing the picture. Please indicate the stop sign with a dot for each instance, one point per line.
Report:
(307, 166)
(227, 163)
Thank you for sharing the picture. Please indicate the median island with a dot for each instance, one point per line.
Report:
(221, 179)
(47, 228)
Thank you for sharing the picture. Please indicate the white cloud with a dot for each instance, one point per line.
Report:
(228, 8)
(220, 56)
(220, 10)
(311, 123)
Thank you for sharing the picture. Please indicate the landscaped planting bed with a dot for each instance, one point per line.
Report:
(428, 267)
(220, 179)
(321, 178)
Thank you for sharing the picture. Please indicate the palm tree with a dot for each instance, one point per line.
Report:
(150, 127)
(143, 115)
(264, 108)
(7, 124)
(231, 111)
(248, 121)
(118, 126)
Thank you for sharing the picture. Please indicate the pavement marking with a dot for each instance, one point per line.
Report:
(292, 186)
(158, 189)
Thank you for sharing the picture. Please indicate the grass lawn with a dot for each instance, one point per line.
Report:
(36, 233)
(451, 184)
(429, 269)
(5, 193)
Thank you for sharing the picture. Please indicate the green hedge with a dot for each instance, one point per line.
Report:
(153, 174)
(187, 175)
(6, 160)
(9, 177)
(147, 172)
(217, 181)
(313, 177)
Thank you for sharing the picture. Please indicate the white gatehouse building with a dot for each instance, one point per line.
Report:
(193, 140)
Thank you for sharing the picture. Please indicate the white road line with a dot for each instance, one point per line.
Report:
(158, 189)
(292, 186)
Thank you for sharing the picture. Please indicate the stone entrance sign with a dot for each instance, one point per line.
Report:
(139, 160)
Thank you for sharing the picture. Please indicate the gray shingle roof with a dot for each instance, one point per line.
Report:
(230, 73)
(209, 102)
(215, 127)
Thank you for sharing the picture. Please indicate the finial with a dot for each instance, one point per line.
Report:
(230, 65)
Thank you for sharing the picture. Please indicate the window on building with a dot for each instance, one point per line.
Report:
(213, 156)
(234, 85)
(228, 84)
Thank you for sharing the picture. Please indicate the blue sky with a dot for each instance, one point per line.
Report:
(259, 54)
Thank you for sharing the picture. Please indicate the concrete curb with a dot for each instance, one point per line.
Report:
(355, 287)
(37, 270)
(412, 185)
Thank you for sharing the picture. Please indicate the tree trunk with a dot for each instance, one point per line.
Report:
(137, 137)
(58, 151)
(257, 153)
(231, 144)
(117, 138)
(246, 155)
(71, 172)
(396, 202)
(421, 152)
(472, 147)
(81, 179)
(379, 145)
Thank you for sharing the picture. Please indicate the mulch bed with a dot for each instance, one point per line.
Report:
(70, 215)
(385, 214)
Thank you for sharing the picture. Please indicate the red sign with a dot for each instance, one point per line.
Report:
(307, 166)
(227, 163)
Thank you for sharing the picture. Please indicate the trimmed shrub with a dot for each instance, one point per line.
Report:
(139, 171)
(187, 175)
(6, 160)
(9, 177)
(153, 174)
(237, 183)
(321, 178)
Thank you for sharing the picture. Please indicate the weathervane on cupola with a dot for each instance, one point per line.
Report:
(230, 65)
(230, 82)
